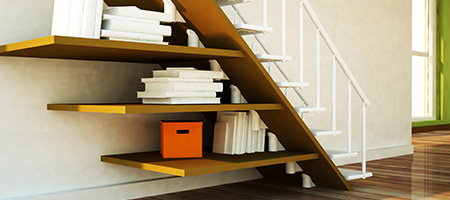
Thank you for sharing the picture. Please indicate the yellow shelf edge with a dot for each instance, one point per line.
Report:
(150, 108)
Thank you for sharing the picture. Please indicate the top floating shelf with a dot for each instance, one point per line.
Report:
(149, 108)
(105, 50)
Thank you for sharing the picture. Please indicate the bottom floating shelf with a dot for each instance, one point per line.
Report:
(210, 163)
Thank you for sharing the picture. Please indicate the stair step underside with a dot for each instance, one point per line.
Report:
(354, 174)
(310, 109)
(292, 84)
(250, 29)
(324, 132)
(340, 154)
(272, 58)
(232, 2)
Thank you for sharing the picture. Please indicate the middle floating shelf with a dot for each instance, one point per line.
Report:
(152, 108)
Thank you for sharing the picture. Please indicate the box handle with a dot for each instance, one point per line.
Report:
(186, 131)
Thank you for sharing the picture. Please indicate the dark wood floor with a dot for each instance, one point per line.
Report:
(423, 175)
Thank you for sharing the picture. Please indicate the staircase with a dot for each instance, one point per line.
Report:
(288, 84)
(257, 83)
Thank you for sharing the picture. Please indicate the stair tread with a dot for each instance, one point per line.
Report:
(310, 109)
(354, 174)
(292, 84)
(249, 29)
(272, 58)
(232, 2)
(323, 132)
(340, 154)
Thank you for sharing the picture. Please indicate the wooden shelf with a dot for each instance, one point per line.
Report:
(210, 163)
(151, 108)
(105, 50)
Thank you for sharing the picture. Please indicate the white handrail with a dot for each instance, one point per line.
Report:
(334, 50)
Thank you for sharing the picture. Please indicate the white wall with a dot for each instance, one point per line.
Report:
(374, 38)
(55, 155)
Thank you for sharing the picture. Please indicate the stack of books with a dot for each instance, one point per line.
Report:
(131, 24)
(181, 86)
(236, 133)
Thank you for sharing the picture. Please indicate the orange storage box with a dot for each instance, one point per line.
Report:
(181, 139)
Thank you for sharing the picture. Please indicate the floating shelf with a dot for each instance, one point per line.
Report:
(151, 108)
(210, 163)
(106, 50)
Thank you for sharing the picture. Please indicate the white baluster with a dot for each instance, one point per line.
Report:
(333, 94)
(300, 51)
(264, 13)
(349, 116)
(363, 150)
(318, 68)
(283, 27)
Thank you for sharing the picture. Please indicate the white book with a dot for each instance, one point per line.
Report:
(261, 140)
(132, 36)
(183, 80)
(240, 133)
(98, 18)
(88, 18)
(187, 74)
(130, 19)
(61, 17)
(181, 68)
(249, 134)
(174, 94)
(136, 27)
(181, 100)
(184, 87)
(254, 117)
(76, 17)
(231, 121)
(133, 11)
(220, 137)
(244, 133)
(138, 41)
(255, 141)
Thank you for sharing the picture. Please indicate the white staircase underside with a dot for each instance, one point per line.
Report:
(324, 132)
(310, 109)
(354, 174)
(292, 84)
(340, 154)
(250, 29)
(231, 2)
(272, 58)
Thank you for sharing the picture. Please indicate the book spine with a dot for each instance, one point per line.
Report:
(61, 17)
(135, 36)
(137, 13)
(76, 17)
(126, 26)
(130, 19)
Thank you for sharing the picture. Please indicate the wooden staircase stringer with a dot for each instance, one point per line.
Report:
(215, 30)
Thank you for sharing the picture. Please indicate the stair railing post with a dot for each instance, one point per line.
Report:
(333, 94)
(264, 13)
(283, 27)
(300, 56)
(349, 116)
(363, 149)
(318, 68)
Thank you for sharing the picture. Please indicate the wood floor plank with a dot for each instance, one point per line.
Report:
(422, 175)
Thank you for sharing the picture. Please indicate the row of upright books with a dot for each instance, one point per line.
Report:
(237, 133)
(182, 86)
(94, 19)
